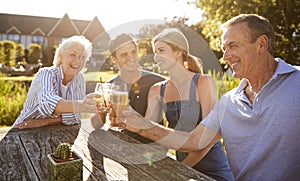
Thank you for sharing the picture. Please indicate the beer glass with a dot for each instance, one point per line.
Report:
(119, 100)
(104, 89)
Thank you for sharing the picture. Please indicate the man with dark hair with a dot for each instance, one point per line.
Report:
(124, 54)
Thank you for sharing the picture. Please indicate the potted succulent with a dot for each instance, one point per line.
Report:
(64, 164)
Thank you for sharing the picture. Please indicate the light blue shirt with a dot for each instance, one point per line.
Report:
(262, 140)
(45, 93)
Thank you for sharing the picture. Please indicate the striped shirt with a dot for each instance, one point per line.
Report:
(45, 93)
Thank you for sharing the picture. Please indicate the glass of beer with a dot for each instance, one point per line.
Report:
(119, 100)
(104, 89)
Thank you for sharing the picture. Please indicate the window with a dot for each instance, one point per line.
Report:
(38, 39)
(14, 37)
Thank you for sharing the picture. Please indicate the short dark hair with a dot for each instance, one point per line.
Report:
(258, 26)
(120, 41)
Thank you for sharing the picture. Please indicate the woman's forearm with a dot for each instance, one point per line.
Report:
(87, 105)
(41, 122)
(66, 106)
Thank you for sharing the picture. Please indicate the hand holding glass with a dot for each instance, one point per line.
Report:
(104, 89)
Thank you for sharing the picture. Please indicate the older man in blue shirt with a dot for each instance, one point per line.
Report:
(259, 120)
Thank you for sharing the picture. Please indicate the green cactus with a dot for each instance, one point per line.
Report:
(63, 151)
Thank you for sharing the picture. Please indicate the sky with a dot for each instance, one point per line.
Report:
(111, 13)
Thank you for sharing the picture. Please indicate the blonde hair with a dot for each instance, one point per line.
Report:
(177, 41)
(69, 42)
(192, 63)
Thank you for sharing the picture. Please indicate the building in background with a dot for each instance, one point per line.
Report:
(49, 32)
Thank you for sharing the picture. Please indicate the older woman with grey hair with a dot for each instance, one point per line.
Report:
(57, 93)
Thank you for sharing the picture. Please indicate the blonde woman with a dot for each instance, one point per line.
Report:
(186, 98)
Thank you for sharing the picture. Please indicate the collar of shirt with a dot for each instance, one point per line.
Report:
(282, 68)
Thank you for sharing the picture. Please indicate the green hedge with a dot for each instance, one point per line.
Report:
(12, 97)
(7, 52)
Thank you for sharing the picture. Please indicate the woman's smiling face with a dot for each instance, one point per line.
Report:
(73, 60)
(164, 56)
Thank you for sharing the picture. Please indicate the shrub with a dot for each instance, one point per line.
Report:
(12, 97)
(7, 54)
(34, 53)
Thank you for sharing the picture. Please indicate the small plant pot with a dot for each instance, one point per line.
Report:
(65, 169)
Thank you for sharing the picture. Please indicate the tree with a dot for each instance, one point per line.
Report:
(283, 15)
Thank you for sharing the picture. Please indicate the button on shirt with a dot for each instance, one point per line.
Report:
(45, 93)
(262, 139)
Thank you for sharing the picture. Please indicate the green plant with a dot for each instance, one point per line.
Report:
(34, 53)
(12, 96)
(64, 164)
(63, 151)
(7, 52)
(224, 83)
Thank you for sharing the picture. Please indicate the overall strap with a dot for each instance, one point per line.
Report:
(193, 90)
(193, 87)
(162, 89)
(162, 107)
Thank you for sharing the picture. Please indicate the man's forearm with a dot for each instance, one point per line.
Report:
(195, 140)
(194, 157)
(170, 138)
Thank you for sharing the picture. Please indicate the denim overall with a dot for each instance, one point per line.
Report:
(185, 115)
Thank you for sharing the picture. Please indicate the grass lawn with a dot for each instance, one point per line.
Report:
(89, 76)
(95, 76)
(1, 126)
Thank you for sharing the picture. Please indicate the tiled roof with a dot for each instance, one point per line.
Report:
(47, 26)
(26, 24)
(64, 27)
(93, 30)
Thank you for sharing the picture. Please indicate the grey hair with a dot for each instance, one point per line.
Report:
(257, 25)
(69, 42)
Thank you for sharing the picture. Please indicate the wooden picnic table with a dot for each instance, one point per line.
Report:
(107, 155)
